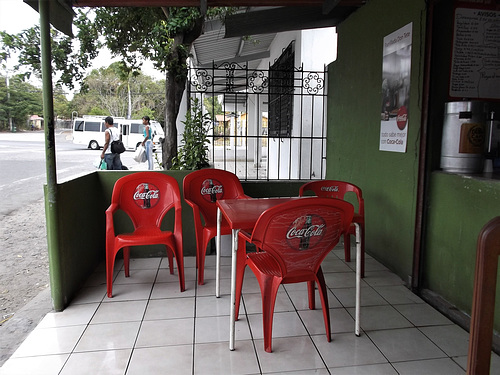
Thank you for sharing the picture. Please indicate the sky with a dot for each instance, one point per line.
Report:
(16, 16)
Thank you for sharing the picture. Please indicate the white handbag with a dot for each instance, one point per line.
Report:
(140, 154)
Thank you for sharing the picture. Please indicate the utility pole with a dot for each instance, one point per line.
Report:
(129, 111)
(8, 98)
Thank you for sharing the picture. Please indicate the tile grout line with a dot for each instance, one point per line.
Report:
(254, 344)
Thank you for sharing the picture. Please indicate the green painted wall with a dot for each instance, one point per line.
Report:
(388, 179)
(461, 206)
(80, 238)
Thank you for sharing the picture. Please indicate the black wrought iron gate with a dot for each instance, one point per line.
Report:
(272, 123)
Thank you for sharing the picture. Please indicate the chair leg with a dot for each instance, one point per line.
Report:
(347, 247)
(323, 293)
(311, 294)
(110, 264)
(180, 268)
(269, 286)
(126, 260)
(170, 256)
(179, 259)
(200, 260)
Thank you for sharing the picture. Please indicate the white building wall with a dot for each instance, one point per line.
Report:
(313, 50)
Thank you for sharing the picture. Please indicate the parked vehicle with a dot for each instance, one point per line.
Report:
(89, 131)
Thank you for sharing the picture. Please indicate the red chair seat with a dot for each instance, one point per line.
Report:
(144, 237)
(265, 263)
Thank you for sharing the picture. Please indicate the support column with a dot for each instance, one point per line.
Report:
(51, 211)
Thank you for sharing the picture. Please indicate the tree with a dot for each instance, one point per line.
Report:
(62, 107)
(106, 91)
(69, 60)
(109, 91)
(18, 101)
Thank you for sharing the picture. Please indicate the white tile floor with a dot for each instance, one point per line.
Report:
(150, 328)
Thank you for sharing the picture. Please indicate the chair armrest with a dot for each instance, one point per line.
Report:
(178, 228)
(361, 206)
(113, 207)
(196, 217)
(245, 235)
(110, 226)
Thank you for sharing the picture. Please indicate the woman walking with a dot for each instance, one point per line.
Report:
(148, 143)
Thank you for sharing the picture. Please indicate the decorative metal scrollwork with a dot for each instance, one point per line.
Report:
(202, 80)
(229, 65)
(258, 82)
(313, 83)
(230, 68)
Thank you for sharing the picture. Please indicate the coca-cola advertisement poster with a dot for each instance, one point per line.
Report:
(146, 195)
(396, 68)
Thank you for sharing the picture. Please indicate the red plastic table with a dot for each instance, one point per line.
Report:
(243, 214)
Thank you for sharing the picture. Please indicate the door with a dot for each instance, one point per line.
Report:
(126, 136)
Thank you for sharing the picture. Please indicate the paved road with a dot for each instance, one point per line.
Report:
(23, 167)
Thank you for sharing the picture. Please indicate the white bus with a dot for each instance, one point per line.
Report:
(89, 131)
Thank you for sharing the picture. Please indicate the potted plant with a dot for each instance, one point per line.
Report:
(193, 152)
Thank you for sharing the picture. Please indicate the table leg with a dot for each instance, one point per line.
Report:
(233, 287)
(358, 279)
(217, 256)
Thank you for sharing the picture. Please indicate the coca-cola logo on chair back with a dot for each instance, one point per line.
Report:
(211, 190)
(146, 195)
(305, 232)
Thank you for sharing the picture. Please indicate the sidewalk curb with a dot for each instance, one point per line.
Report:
(15, 330)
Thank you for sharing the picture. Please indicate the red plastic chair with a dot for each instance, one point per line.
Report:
(145, 197)
(201, 190)
(483, 299)
(338, 189)
(293, 238)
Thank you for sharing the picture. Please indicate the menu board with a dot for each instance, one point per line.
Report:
(475, 66)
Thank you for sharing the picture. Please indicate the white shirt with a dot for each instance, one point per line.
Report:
(114, 135)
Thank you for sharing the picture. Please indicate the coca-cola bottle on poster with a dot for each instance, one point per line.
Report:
(213, 195)
(304, 239)
(147, 200)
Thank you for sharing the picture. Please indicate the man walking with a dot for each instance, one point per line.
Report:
(111, 134)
